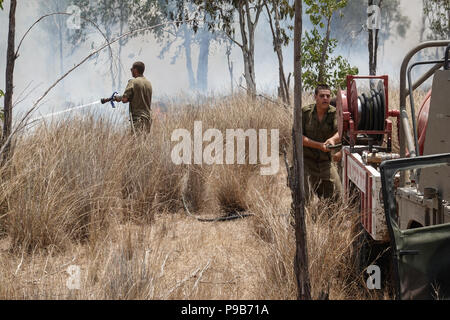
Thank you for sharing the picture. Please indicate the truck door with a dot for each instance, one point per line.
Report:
(421, 256)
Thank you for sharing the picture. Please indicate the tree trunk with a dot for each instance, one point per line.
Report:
(251, 88)
(297, 183)
(373, 47)
(247, 28)
(283, 83)
(370, 46)
(323, 58)
(251, 36)
(277, 42)
(188, 51)
(375, 54)
(230, 66)
(251, 49)
(203, 61)
(9, 78)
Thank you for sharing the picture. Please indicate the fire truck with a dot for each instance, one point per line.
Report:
(403, 197)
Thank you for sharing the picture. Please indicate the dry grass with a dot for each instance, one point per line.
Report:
(87, 193)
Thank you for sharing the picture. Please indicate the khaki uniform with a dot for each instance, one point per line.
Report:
(320, 172)
(139, 94)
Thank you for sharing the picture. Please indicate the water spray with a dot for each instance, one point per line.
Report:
(102, 101)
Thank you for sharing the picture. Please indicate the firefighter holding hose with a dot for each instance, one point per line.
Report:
(138, 94)
(320, 134)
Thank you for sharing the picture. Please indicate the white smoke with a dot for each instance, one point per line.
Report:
(37, 67)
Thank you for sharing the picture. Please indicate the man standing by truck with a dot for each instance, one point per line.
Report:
(319, 132)
(139, 94)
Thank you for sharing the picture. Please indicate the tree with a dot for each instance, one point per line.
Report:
(220, 15)
(278, 10)
(336, 68)
(296, 179)
(372, 44)
(318, 64)
(113, 16)
(350, 26)
(56, 25)
(9, 80)
(317, 11)
(170, 10)
(437, 13)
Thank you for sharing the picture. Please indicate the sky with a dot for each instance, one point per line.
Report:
(37, 67)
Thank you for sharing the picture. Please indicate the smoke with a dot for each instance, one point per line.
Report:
(38, 65)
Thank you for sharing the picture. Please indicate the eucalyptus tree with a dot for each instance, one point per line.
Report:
(231, 17)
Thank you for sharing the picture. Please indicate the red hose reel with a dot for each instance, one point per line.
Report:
(364, 119)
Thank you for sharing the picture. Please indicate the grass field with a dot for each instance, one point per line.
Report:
(85, 192)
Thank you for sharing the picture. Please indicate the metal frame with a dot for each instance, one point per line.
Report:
(388, 170)
(411, 97)
(406, 140)
(353, 130)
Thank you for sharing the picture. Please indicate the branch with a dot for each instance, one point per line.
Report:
(53, 14)
(22, 123)
(271, 23)
(234, 41)
(67, 14)
(286, 106)
(258, 12)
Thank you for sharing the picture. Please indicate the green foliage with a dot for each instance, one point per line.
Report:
(220, 15)
(320, 9)
(438, 15)
(1, 4)
(318, 49)
(336, 68)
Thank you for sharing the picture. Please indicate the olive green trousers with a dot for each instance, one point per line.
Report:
(326, 185)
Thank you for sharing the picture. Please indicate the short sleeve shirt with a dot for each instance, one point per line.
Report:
(320, 132)
(139, 94)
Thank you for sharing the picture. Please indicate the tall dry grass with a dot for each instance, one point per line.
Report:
(86, 192)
